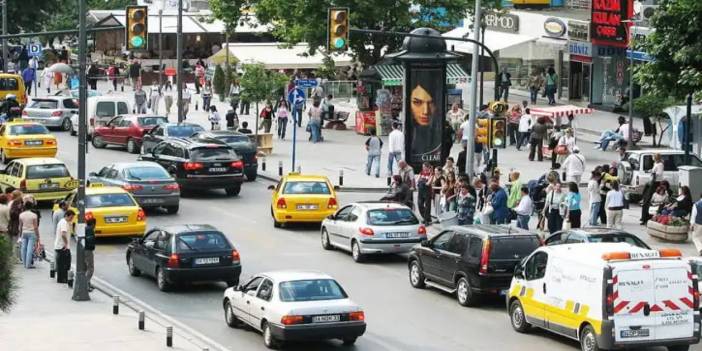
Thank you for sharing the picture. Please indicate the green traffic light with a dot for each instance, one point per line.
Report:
(339, 43)
(137, 41)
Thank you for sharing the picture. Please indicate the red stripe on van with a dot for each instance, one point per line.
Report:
(671, 305)
(620, 306)
(638, 307)
(687, 302)
(656, 308)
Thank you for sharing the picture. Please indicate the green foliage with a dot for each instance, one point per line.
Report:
(31, 15)
(653, 105)
(7, 280)
(219, 84)
(676, 47)
(260, 84)
(66, 14)
(328, 68)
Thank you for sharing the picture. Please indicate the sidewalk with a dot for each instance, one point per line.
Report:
(44, 317)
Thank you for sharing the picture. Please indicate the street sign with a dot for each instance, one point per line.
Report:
(210, 72)
(306, 83)
(170, 71)
(296, 95)
(34, 50)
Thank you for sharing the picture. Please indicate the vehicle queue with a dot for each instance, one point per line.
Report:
(605, 289)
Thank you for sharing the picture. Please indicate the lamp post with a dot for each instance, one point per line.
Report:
(179, 60)
(4, 32)
(160, 46)
(473, 96)
(629, 142)
(483, 26)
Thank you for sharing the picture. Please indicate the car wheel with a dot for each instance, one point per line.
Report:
(517, 317)
(276, 224)
(172, 209)
(233, 190)
(232, 320)
(66, 125)
(268, 340)
(98, 142)
(464, 293)
(326, 244)
(356, 252)
(416, 276)
(349, 341)
(73, 130)
(161, 281)
(588, 339)
(132, 146)
(133, 271)
(251, 176)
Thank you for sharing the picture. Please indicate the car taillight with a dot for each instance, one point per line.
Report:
(25, 113)
(357, 316)
(281, 203)
(141, 215)
(192, 166)
(15, 142)
(290, 320)
(23, 185)
(173, 261)
(235, 256)
(50, 142)
(422, 230)
(56, 114)
(132, 187)
(237, 164)
(609, 304)
(485, 258)
(366, 231)
(171, 187)
(89, 216)
(332, 203)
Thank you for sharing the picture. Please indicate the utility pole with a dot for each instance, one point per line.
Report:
(80, 286)
(470, 144)
(482, 53)
(179, 61)
(4, 32)
(160, 46)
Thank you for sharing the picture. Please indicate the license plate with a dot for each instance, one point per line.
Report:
(72, 184)
(396, 235)
(326, 318)
(152, 201)
(47, 186)
(218, 169)
(208, 260)
(307, 207)
(33, 142)
(634, 333)
(120, 219)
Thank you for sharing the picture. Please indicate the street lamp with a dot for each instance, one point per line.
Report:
(483, 26)
(630, 143)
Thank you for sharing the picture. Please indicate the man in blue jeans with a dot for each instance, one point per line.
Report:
(524, 209)
(396, 141)
(373, 145)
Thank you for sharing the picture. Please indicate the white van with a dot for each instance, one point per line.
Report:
(607, 296)
(101, 109)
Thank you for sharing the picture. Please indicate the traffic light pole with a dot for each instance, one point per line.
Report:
(473, 111)
(179, 61)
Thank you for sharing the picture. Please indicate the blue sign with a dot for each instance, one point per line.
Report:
(306, 83)
(34, 50)
(639, 56)
(296, 97)
(581, 48)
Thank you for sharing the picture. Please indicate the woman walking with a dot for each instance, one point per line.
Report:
(572, 200)
(214, 118)
(552, 208)
(615, 206)
(448, 192)
(266, 118)
(456, 117)
(29, 225)
(551, 85)
(466, 205)
(282, 113)
(206, 96)
(315, 123)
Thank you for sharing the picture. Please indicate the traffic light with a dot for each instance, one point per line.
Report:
(338, 29)
(481, 131)
(498, 107)
(498, 132)
(137, 29)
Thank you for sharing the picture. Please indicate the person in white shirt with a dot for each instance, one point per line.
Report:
(524, 128)
(658, 168)
(62, 246)
(614, 203)
(396, 147)
(214, 118)
(524, 209)
(574, 166)
(593, 193)
(155, 98)
(567, 140)
(624, 131)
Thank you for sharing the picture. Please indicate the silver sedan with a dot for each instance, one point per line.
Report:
(52, 111)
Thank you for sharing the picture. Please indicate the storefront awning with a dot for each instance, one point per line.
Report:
(494, 40)
(393, 75)
(560, 111)
(277, 55)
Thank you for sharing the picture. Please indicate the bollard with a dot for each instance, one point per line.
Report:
(115, 304)
(169, 336)
(52, 272)
(280, 168)
(389, 180)
(141, 320)
(263, 164)
(341, 177)
(70, 279)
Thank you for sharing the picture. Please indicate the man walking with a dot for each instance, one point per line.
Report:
(407, 174)
(29, 75)
(574, 166)
(424, 192)
(396, 141)
(89, 248)
(538, 133)
(505, 83)
(374, 146)
(139, 100)
(524, 128)
(135, 73)
(62, 246)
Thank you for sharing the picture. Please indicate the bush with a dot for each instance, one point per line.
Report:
(7, 283)
(219, 83)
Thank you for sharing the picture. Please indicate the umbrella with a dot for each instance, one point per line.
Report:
(60, 68)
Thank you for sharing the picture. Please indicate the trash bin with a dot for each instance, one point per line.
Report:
(448, 219)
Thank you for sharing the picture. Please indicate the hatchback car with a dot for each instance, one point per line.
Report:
(46, 179)
(302, 198)
(372, 228)
(126, 131)
(22, 139)
(594, 235)
(51, 111)
(148, 182)
(241, 143)
(292, 306)
(168, 130)
(184, 253)
(470, 260)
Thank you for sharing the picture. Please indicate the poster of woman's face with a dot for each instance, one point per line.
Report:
(426, 108)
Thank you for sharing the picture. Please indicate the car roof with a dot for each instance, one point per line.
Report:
(289, 275)
(657, 151)
(39, 161)
(8, 75)
(52, 97)
(132, 115)
(124, 165)
(175, 124)
(588, 251)
(115, 98)
(98, 190)
(226, 132)
(491, 230)
(187, 228)
(293, 176)
(370, 205)
(194, 143)
(21, 121)
(598, 231)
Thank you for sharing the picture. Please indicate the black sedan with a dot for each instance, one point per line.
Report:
(242, 145)
(184, 253)
(168, 130)
(595, 235)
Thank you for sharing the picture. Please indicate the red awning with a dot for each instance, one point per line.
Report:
(560, 111)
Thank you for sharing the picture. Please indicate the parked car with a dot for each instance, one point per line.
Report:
(364, 228)
(127, 131)
(11, 83)
(179, 254)
(594, 235)
(241, 143)
(201, 166)
(44, 178)
(302, 198)
(51, 111)
(101, 109)
(148, 183)
(168, 130)
(294, 305)
(635, 170)
(470, 260)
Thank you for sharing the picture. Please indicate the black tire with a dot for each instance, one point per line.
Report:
(66, 125)
(276, 224)
(588, 339)
(133, 271)
(230, 317)
(233, 190)
(679, 348)
(517, 317)
(268, 340)
(326, 244)
(464, 293)
(161, 281)
(132, 146)
(98, 142)
(356, 254)
(172, 209)
(251, 176)
(349, 341)
(417, 281)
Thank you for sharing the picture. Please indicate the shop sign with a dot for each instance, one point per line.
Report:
(579, 30)
(580, 48)
(607, 27)
(554, 27)
(502, 22)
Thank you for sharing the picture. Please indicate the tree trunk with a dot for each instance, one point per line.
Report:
(256, 133)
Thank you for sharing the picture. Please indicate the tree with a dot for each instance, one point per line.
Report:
(650, 105)
(31, 15)
(675, 46)
(7, 282)
(66, 15)
(327, 69)
(219, 83)
(259, 84)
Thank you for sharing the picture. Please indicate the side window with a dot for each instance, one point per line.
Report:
(12, 169)
(647, 162)
(343, 213)
(103, 172)
(105, 109)
(536, 267)
(669, 163)
(159, 148)
(158, 131)
(125, 123)
(252, 285)
(69, 103)
(266, 290)
(441, 242)
(122, 108)
(574, 238)
(556, 238)
(115, 122)
(152, 236)
(634, 161)
(112, 173)
(458, 244)
(475, 249)
(19, 170)
(355, 213)
(162, 242)
(178, 152)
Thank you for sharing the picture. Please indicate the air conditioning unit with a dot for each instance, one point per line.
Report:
(647, 11)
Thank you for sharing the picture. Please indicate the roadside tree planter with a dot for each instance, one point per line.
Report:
(674, 230)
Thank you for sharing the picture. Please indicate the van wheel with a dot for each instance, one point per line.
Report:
(416, 276)
(464, 293)
(517, 317)
(132, 146)
(679, 348)
(326, 244)
(98, 142)
(66, 125)
(588, 339)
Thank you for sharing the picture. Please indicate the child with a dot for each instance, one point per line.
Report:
(214, 117)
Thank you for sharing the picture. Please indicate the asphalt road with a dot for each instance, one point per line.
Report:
(398, 316)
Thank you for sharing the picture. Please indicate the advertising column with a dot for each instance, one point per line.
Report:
(425, 99)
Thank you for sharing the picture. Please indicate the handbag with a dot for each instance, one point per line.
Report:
(561, 150)
(488, 209)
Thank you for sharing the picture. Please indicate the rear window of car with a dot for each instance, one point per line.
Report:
(202, 241)
(310, 187)
(44, 104)
(105, 109)
(513, 247)
(392, 216)
(152, 121)
(234, 139)
(9, 84)
(108, 200)
(144, 173)
(212, 154)
(28, 129)
(311, 290)
(183, 131)
(622, 238)
(47, 171)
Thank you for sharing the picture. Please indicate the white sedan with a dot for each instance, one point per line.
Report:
(294, 305)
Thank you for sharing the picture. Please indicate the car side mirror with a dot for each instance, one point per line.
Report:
(271, 187)
(519, 272)
(331, 216)
(425, 243)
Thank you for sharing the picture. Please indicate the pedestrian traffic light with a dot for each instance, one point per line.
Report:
(481, 131)
(498, 107)
(338, 29)
(137, 29)
(498, 132)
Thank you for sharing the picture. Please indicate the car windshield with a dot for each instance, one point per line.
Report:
(618, 238)
(392, 216)
(144, 173)
(44, 104)
(28, 129)
(310, 187)
(184, 131)
(514, 247)
(152, 121)
(230, 139)
(311, 290)
(108, 200)
(212, 154)
(202, 241)
(47, 171)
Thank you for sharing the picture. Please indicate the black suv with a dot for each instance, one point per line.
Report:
(168, 130)
(240, 142)
(470, 260)
(196, 165)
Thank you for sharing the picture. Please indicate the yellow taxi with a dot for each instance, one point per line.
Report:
(302, 198)
(45, 178)
(19, 139)
(115, 211)
(13, 84)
